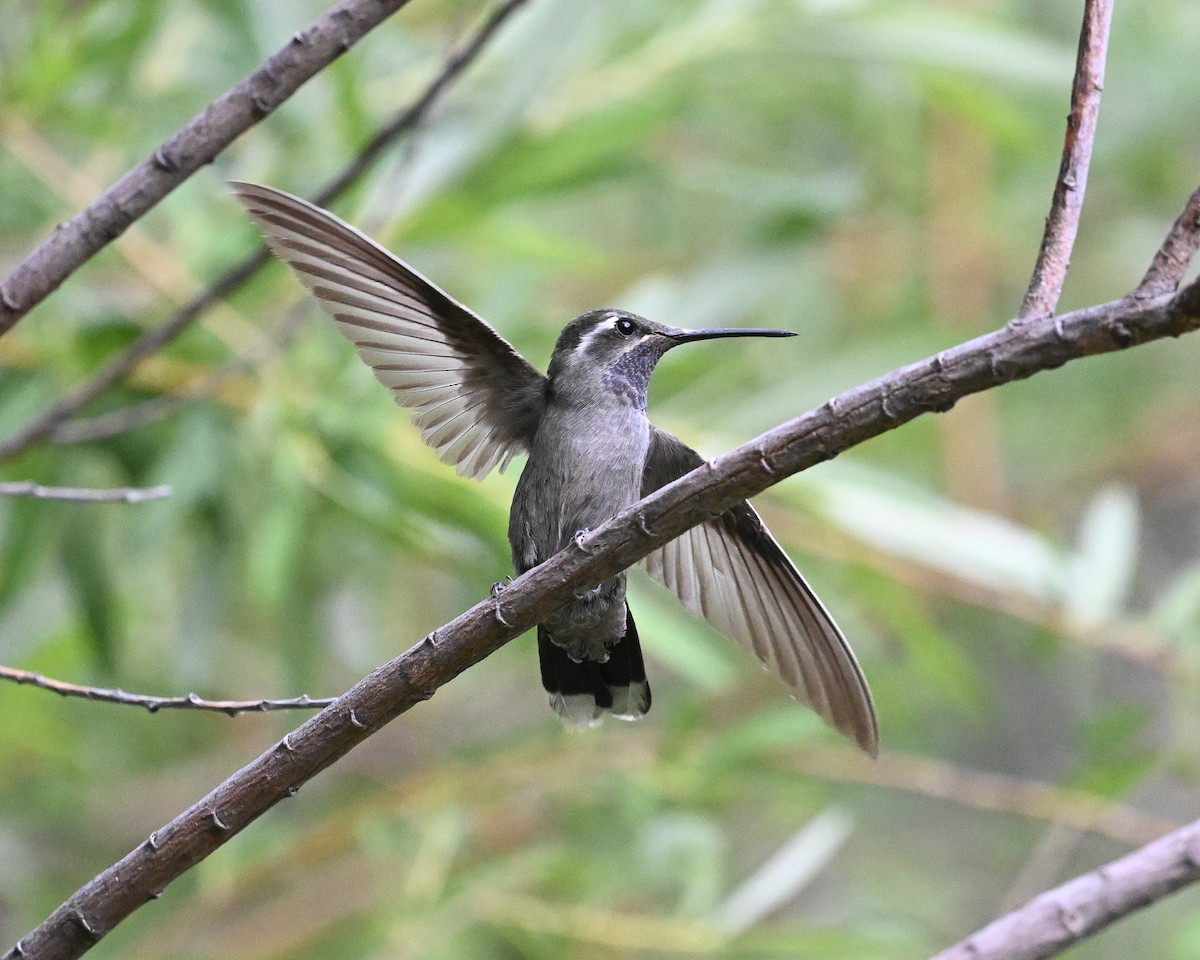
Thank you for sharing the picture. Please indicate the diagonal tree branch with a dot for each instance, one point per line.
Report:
(154, 704)
(150, 342)
(1171, 262)
(933, 384)
(1062, 224)
(198, 143)
(1059, 918)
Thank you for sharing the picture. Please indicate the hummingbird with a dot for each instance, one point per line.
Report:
(592, 452)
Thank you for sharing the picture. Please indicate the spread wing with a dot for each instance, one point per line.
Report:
(731, 572)
(476, 400)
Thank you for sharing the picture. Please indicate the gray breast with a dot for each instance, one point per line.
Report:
(585, 466)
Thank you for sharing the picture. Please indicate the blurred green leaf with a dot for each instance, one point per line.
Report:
(88, 573)
(1100, 574)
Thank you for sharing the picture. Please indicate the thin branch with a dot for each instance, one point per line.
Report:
(933, 384)
(135, 415)
(27, 488)
(205, 136)
(1080, 908)
(982, 790)
(154, 704)
(1050, 269)
(1175, 255)
(150, 342)
(104, 426)
(120, 366)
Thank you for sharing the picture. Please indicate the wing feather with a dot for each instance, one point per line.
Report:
(733, 573)
(477, 401)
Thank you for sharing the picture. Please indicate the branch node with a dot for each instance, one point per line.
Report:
(1121, 335)
(642, 525)
(993, 364)
(86, 925)
(260, 104)
(292, 791)
(885, 405)
(1072, 922)
(10, 302)
(152, 841)
(286, 743)
(1191, 851)
(19, 949)
(430, 640)
(300, 38)
(164, 161)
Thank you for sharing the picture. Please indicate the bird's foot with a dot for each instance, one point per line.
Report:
(500, 586)
(579, 536)
(588, 594)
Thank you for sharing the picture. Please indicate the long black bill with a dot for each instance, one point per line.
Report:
(713, 333)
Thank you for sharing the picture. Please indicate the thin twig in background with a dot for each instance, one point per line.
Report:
(135, 415)
(934, 384)
(154, 704)
(1082, 907)
(27, 488)
(404, 121)
(981, 790)
(1170, 264)
(120, 366)
(205, 136)
(1050, 269)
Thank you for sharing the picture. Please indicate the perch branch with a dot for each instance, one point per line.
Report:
(27, 488)
(47, 423)
(154, 704)
(933, 384)
(208, 133)
(1059, 918)
(1062, 225)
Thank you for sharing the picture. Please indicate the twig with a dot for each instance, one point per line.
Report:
(198, 143)
(150, 342)
(116, 422)
(933, 384)
(154, 704)
(120, 366)
(135, 415)
(983, 790)
(1050, 269)
(1175, 255)
(27, 488)
(1059, 918)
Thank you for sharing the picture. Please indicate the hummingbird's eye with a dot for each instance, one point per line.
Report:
(625, 327)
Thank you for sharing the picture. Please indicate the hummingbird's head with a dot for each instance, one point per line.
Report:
(614, 352)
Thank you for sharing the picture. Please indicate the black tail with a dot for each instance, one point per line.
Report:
(581, 693)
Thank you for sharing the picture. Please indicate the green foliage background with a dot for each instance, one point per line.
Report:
(1020, 577)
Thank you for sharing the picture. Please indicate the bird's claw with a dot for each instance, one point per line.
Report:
(500, 586)
(579, 536)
